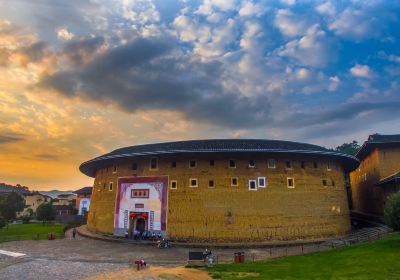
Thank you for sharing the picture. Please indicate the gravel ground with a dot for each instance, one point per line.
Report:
(44, 269)
(83, 257)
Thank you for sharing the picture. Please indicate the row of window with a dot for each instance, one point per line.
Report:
(253, 184)
(261, 182)
(271, 163)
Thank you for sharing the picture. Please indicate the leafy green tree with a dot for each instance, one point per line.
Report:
(30, 212)
(10, 204)
(349, 148)
(391, 212)
(45, 212)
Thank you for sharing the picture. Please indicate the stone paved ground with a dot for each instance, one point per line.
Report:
(83, 257)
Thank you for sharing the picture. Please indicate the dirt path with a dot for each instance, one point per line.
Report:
(154, 273)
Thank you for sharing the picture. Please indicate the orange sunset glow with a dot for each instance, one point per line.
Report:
(81, 78)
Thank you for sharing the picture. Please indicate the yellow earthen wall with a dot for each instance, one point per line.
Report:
(227, 213)
(366, 195)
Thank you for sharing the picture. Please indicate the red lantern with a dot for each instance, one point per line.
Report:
(144, 215)
(132, 215)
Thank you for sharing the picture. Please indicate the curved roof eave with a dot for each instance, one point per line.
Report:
(88, 167)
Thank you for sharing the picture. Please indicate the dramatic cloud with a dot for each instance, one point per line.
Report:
(10, 138)
(64, 34)
(314, 48)
(289, 23)
(106, 74)
(145, 74)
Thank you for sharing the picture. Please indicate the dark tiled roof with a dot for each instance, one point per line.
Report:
(84, 190)
(213, 146)
(376, 140)
(384, 138)
(61, 207)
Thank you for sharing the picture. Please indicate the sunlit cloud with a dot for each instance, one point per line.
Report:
(80, 78)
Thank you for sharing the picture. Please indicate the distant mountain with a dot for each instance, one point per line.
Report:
(55, 193)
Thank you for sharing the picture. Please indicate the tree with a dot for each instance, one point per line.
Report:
(10, 204)
(45, 212)
(3, 222)
(391, 212)
(349, 148)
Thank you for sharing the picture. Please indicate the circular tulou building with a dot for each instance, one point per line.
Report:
(221, 190)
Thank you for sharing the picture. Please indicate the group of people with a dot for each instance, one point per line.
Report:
(144, 235)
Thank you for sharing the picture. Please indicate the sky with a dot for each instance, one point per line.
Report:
(80, 78)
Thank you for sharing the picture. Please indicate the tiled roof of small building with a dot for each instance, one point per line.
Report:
(376, 140)
(212, 146)
(84, 190)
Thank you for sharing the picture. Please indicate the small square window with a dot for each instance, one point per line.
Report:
(114, 169)
(271, 163)
(134, 166)
(153, 164)
(262, 183)
(234, 182)
(288, 164)
(193, 183)
(212, 163)
(252, 185)
(110, 186)
(173, 164)
(192, 163)
(252, 163)
(290, 183)
(232, 163)
(303, 164)
(324, 183)
(315, 164)
(174, 185)
(328, 167)
(211, 183)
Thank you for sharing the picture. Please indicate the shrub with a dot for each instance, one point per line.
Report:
(26, 219)
(392, 211)
(3, 222)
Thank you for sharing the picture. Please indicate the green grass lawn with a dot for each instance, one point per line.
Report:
(374, 260)
(29, 231)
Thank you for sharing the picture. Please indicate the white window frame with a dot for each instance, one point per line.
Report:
(287, 182)
(255, 184)
(229, 163)
(265, 182)
(111, 186)
(115, 169)
(190, 183)
(237, 182)
(268, 163)
(328, 167)
(176, 184)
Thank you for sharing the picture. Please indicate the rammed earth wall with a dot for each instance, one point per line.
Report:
(228, 213)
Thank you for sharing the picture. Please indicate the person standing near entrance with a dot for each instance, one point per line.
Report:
(74, 233)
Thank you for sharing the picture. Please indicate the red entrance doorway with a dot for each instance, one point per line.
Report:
(138, 222)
